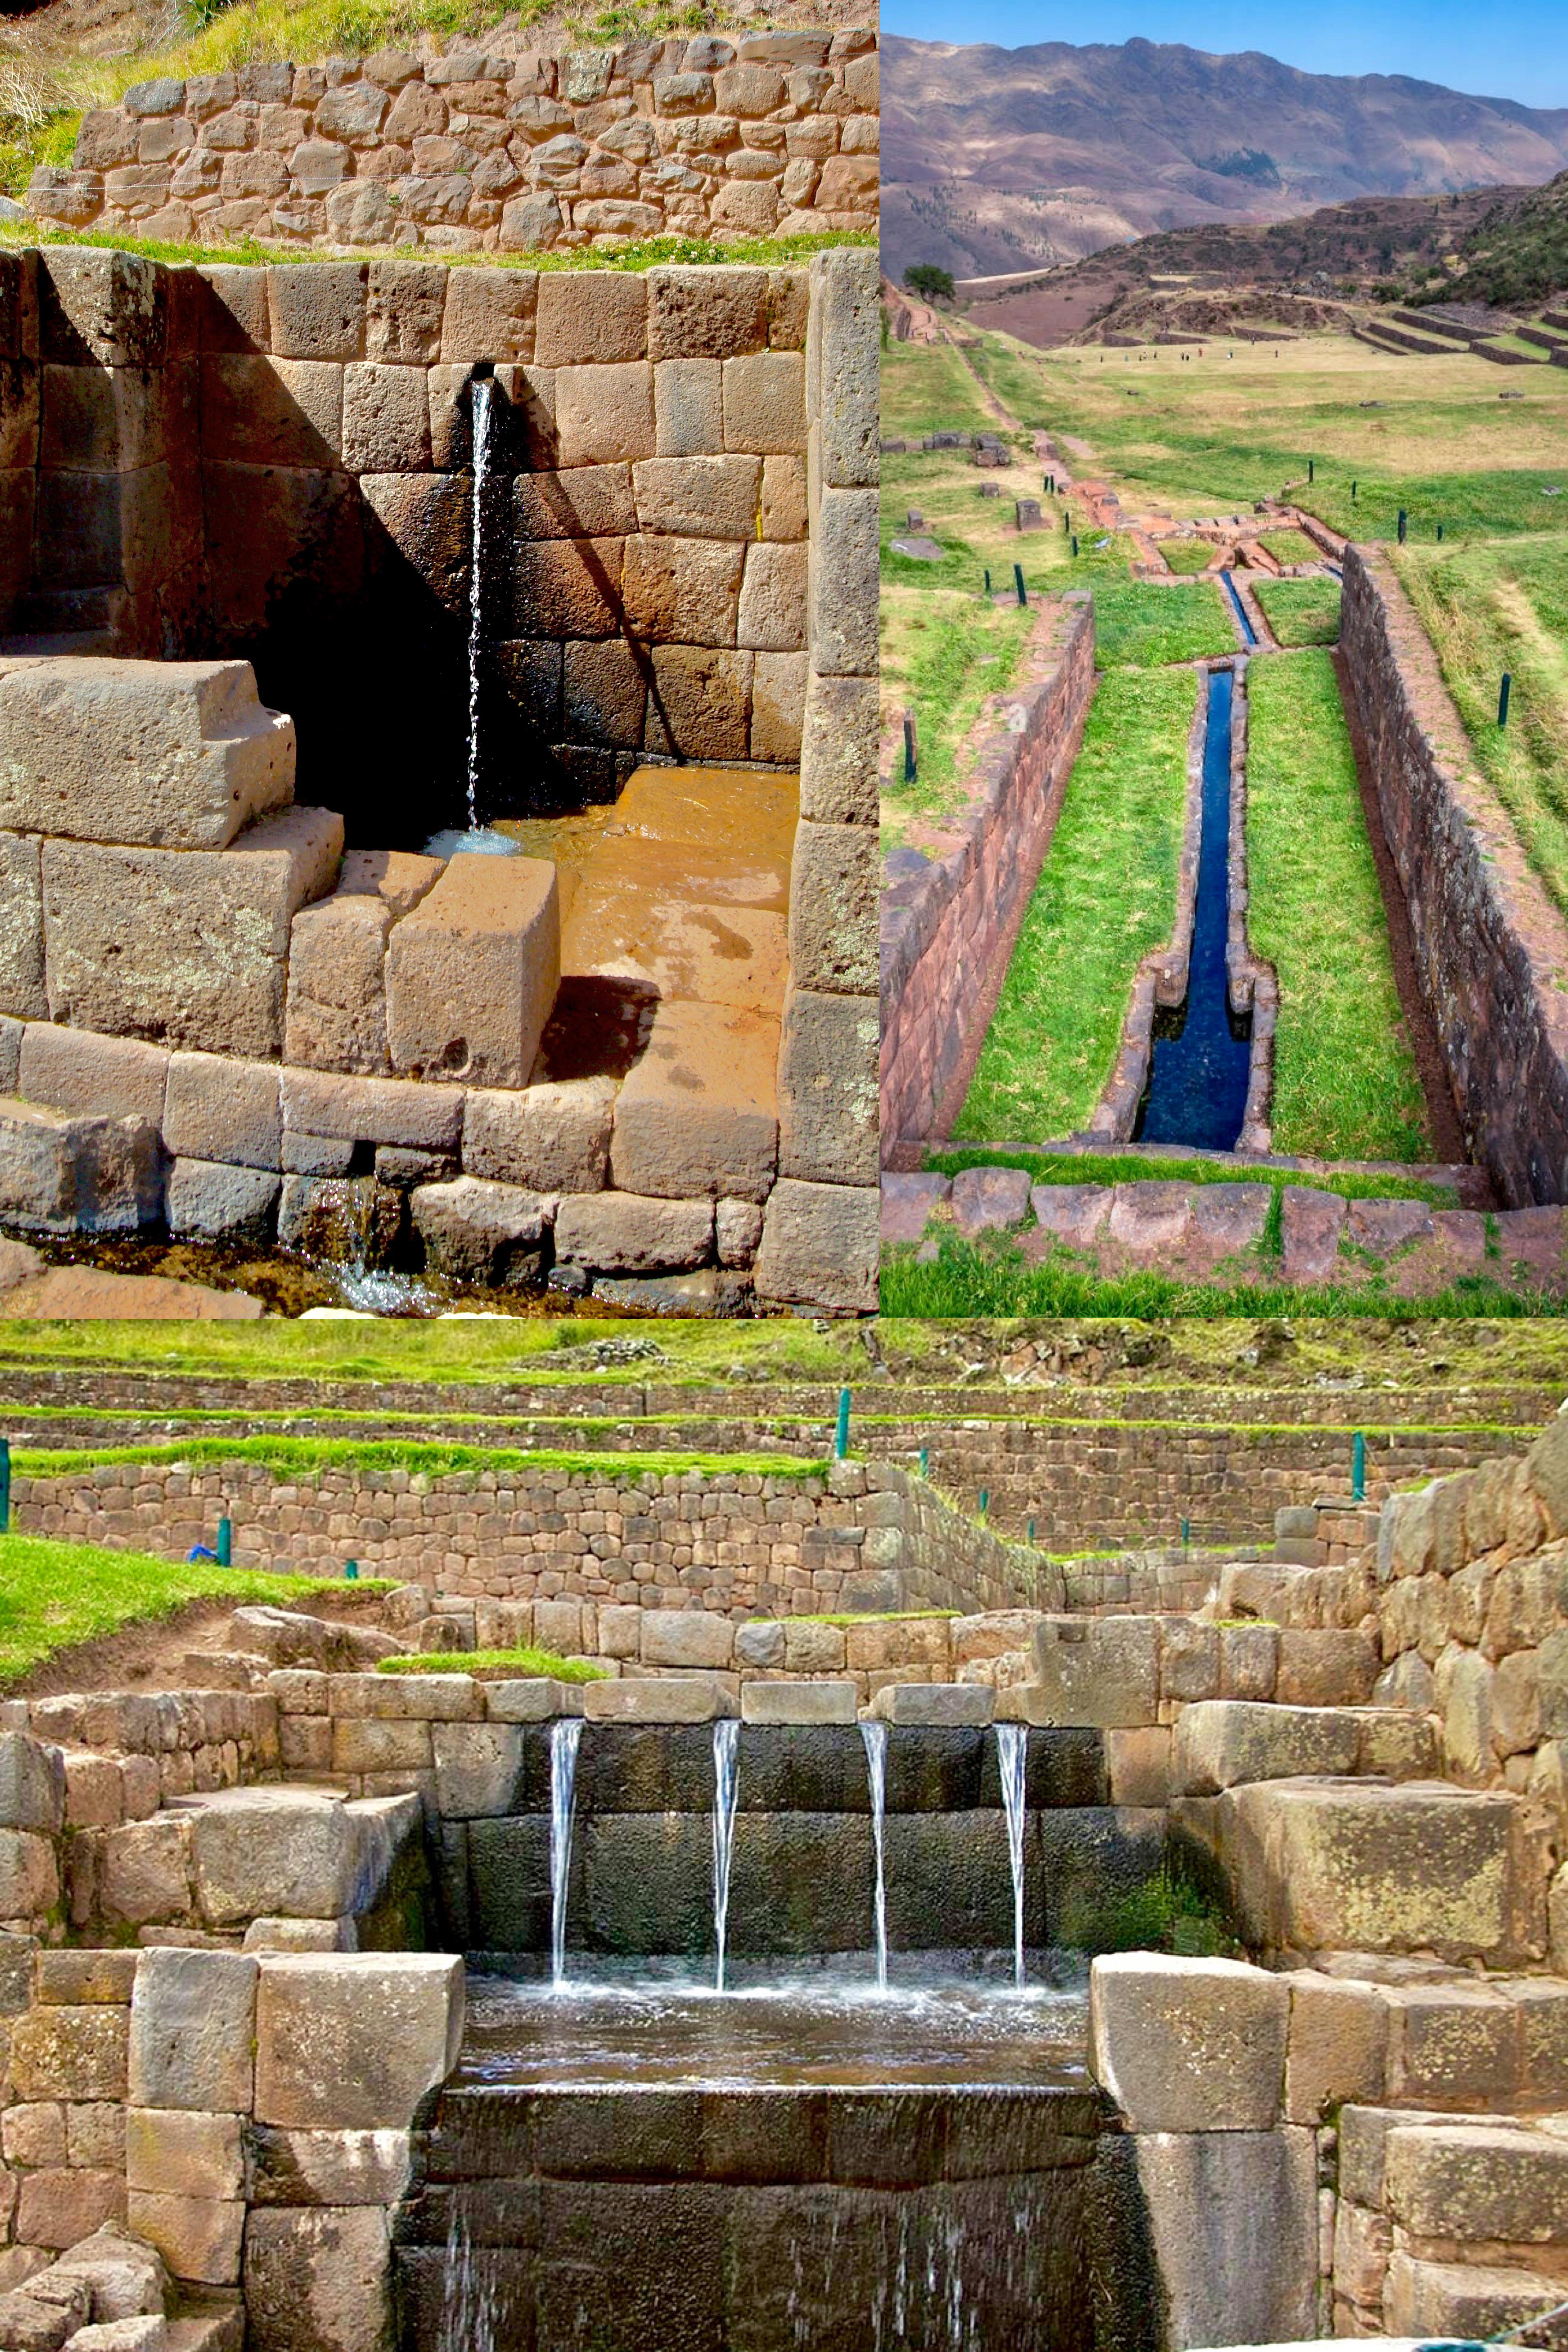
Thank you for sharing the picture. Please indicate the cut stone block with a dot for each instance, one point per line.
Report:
(1104, 1673)
(281, 1851)
(218, 1109)
(698, 1110)
(1465, 2302)
(686, 1637)
(399, 878)
(319, 2279)
(535, 1699)
(352, 2040)
(329, 2167)
(624, 1233)
(819, 1246)
(62, 1174)
(184, 947)
(172, 755)
(471, 973)
(1220, 1742)
(1339, 2045)
(107, 1077)
(320, 1106)
(32, 1784)
(694, 1698)
(22, 991)
(935, 1704)
(550, 1137)
(193, 2031)
(335, 1017)
(799, 1701)
(1478, 2181)
(482, 1232)
(1187, 2045)
(1216, 2201)
(29, 1879)
(198, 2237)
(183, 2153)
(478, 1768)
(213, 1201)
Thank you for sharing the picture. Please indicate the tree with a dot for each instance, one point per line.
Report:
(925, 278)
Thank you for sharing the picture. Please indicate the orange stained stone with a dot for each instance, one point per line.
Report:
(712, 955)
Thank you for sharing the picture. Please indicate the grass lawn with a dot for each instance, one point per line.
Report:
(1133, 1167)
(1504, 606)
(1139, 626)
(943, 652)
(1290, 546)
(1300, 612)
(53, 1595)
(526, 1665)
(1106, 897)
(1188, 554)
(289, 1456)
(926, 388)
(1344, 1078)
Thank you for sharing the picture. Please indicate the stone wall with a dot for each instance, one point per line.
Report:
(510, 151)
(946, 932)
(1490, 946)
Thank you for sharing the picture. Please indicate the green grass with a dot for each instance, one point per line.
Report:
(1290, 546)
(1300, 612)
(1106, 897)
(1139, 626)
(1505, 607)
(638, 254)
(1188, 554)
(993, 1278)
(943, 653)
(1135, 1168)
(55, 1595)
(1345, 1085)
(525, 1665)
(926, 388)
(291, 1456)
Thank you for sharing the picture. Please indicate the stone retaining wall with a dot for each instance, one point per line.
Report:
(510, 151)
(1490, 946)
(945, 932)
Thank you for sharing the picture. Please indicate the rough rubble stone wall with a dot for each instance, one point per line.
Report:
(1489, 945)
(819, 1233)
(943, 932)
(773, 134)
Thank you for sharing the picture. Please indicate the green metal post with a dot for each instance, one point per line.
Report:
(351, 1570)
(1358, 1467)
(1504, 690)
(1031, 1531)
(985, 1500)
(1018, 583)
(1439, 534)
(925, 1461)
(225, 1543)
(5, 1485)
(841, 1444)
(1186, 1533)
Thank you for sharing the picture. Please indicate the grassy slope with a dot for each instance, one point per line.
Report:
(289, 1456)
(1130, 1166)
(1505, 607)
(1345, 1079)
(1300, 612)
(53, 1595)
(943, 654)
(1105, 898)
(1187, 555)
(926, 388)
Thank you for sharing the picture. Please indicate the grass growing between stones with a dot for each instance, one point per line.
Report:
(525, 1665)
(1300, 612)
(635, 254)
(55, 1595)
(1504, 606)
(1345, 1085)
(1139, 626)
(1136, 1167)
(1187, 555)
(289, 1456)
(1106, 897)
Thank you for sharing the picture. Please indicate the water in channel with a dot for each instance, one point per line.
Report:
(1202, 1056)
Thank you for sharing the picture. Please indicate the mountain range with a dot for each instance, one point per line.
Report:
(998, 160)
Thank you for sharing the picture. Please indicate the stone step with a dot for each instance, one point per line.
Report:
(1475, 2183)
(1339, 1866)
(1457, 2044)
(1224, 1743)
(1465, 2301)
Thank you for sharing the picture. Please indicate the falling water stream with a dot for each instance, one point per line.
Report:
(726, 1787)
(483, 392)
(565, 1733)
(875, 1736)
(1012, 1754)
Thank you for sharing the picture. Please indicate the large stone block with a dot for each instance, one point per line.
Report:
(63, 1174)
(29, 1878)
(208, 1199)
(819, 1246)
(215, 1108)
(193, 2030)
(1188, 2045)
(471, 973)
(69, 2053)
(285, 1852)
(599, 316)
(1477, 2180)
(688, 1698)
(74, 1070)
(479, 1769)
(183, 2153)
(319, 2279)
(1216, 2201)
(833, 900)
(605, 415)
(1221, 1742)
(198, 2237)
(475, 1231)
(32, 1784)
(1339, 2045)
(681, 589)
(698, 1112)
(335, 1015)
(627, 1232)
(173, 755)
(1464, 2302)
(712, 313)
(838, 751)
(841, 624)
(101, 309)
(841, 366)
(550, 1137)
(373, 1110)
(706, 497)
(353, 2040)
(185, 948)
(827, 1087)
(701, 705)
(329, 2167)
(22, 991)
(1104, 1672)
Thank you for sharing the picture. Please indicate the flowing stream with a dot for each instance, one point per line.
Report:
(875, 1736)
(1011, 1757)
(726, 1788)
(482, 392)
(565, 1733)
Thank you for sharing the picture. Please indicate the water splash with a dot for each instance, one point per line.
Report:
(482, 392)
(726, 1788)
(875, 1736)
(1011, 1758)
(565, 1733)
(469, 2313)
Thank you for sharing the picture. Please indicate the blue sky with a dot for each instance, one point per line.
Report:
(1516, 48)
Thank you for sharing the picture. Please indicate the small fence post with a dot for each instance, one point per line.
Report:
(1186, 1534)
(911, 765)
(841, 1442)
(1504, 690)
(1075, 542)
(988, 584)
(985, 1501)
(1031, 1531)
(5, 1485)
(1439, 534)
(925, 1461)
(225, 1542)
(1358, 1467)
(1353, 488)
(351, 1570)
(1311, 469)
(1404, 525)
(1018, 583)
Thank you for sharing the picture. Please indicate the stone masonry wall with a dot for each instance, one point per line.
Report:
(1490, 946)
(943, 931)
(773, 134)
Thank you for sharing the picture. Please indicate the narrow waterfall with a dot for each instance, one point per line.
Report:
(482, 391)
(1011, 1759)
(565, 1733)
(875, 1736)
(726, 1788)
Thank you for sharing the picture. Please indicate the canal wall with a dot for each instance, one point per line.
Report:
(947, 933)
(1490, 946)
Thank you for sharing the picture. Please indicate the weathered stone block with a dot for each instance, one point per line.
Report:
(772, 613)
(1214, 2199)
(477, 1770)
(1105, 1672)
(688, 410)
(55, 2208)
(476, 1231)
(822, 1702)
(605, 414)
(193, 2030)
(1186, 2045)
(697, 496)
(489, 315)
(386, 420)
(183, 2153)
(838, 751)
(186, 948)
(319, 2279)
(1338, 2047)
(22, 992)
(335, 1013)
(32, 1784)
(199, 2237)
(69, 2053)
(1478, 2181)
(471, 973)
(318, 309)
(371, 1110)
(29, 1880)
(764, 403)
(932, 1706)
(590, 318)
(686, 1637)
(698, 1112)
(74, 1070)
(215, 1108)
(176, 755)
(550, 1137)
(1221, 1742)
(694, 1698)
(625, 1232)
(352, 2040)
(328, 2168)
(700, 706)
(683, 590)
(819, 1246)
(841, 366)
(842, 629)
(833, 896)
(210, 1201)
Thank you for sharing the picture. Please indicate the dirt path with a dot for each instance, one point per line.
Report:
(150, 1655)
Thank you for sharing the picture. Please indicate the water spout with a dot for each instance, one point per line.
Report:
(875, 1736)
(482, 392)
(565, 1733)
(1011, 1757)
(726, 1787)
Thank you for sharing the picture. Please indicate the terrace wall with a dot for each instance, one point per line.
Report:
(946, 933)
(1490, 946)
(774, 134)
